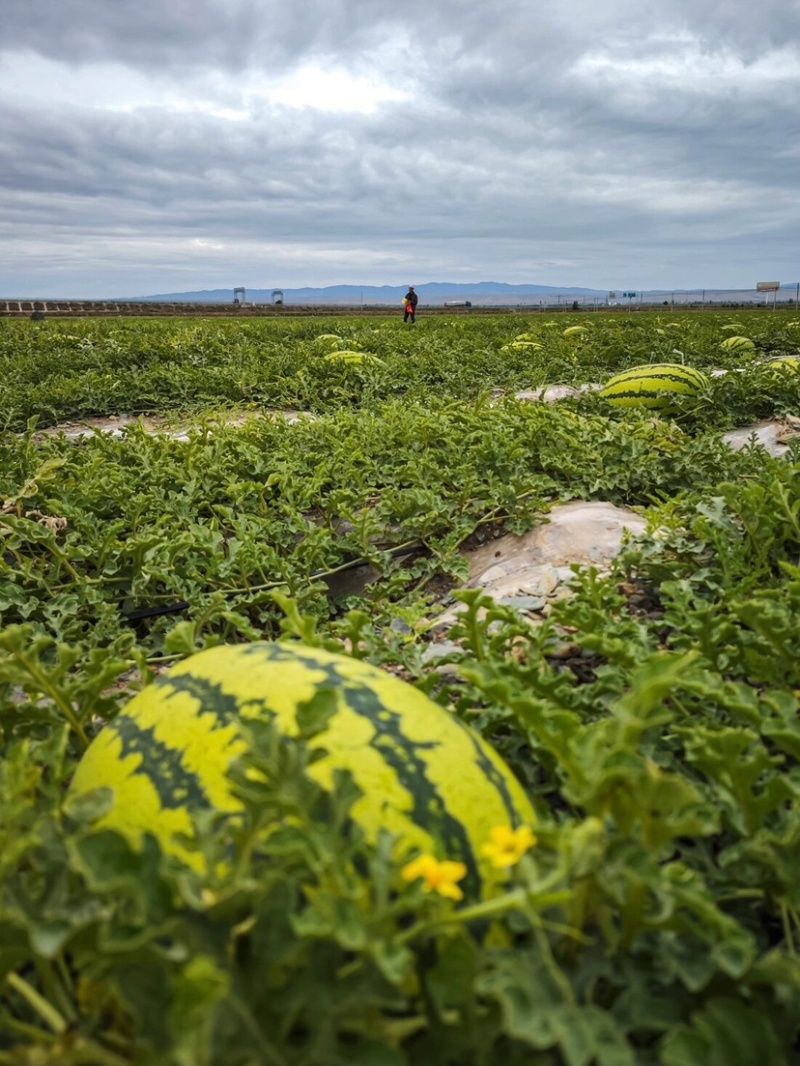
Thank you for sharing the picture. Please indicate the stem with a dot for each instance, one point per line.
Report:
(268, 1052)
(475, 634)
(32, 1032)
(100, 1056)
(46, 1011)
(54, 694)
(741, 893)
(519, 898)
(787, 929)
(554, 969)
(566, 930)
(55, 991)
(62, 558)
(490, 908)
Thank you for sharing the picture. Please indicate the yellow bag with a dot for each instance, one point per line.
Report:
(405, 302)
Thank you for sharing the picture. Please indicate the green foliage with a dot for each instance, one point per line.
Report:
(125, 528)
(61, 370)
(653, 717)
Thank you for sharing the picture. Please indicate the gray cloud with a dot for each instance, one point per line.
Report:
(161, 146)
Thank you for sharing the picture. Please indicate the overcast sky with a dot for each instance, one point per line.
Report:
(170, 145)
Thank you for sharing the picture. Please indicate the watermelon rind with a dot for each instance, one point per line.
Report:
(656, 385)
(425, 776)
(738, 344)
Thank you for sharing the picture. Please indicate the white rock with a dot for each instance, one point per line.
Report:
(553, 393)
(539, 581)
(534, 564)
(565, 574)
(771, 435)
(114, 425)
(575, 533)
(491, 576)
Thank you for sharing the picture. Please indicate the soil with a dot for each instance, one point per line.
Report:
(175, 425)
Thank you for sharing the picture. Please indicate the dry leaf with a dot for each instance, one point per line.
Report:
(52, 522)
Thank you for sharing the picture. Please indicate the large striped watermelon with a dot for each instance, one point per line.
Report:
(738, 344)
(424, 774)
(789, 364)
(656, 385)
(533, 346)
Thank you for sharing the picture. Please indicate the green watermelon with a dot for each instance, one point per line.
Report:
(738, 344)
(789, 364)
(425, 775)
(654, 386)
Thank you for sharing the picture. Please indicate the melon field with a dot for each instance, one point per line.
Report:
(341, 805)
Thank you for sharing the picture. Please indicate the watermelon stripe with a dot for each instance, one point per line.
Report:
(662, 368)
(176, 786)
(281, 653)
(639, 394)
(681, 379)
(428, 810)
(680, 368)
(424, 774)
(491, 773)
(651, 381)
(209, 694)
(653, 386)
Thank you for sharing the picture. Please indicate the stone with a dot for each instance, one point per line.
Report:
(523, 603)
(491, 576)
(578, 532)
(539, 581)
(565, 574)
(553, 393)
(114, 425)
(771, 435)
(537, 564)
(441, 650)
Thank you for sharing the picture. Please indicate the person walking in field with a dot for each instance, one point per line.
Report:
(410, 303)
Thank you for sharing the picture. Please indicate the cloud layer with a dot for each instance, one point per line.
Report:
(158, 147)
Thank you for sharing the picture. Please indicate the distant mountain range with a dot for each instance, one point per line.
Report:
(479, 294)
(484, 293)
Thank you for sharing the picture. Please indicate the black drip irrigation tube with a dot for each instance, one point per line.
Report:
(183, 605)
(410, 548)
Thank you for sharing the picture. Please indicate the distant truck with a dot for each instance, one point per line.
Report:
(458, 303)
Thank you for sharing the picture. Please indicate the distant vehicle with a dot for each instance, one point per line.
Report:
(458, 303)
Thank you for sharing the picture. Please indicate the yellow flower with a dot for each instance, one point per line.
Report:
(439, 877)
(507, 846)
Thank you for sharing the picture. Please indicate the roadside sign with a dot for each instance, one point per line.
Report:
(629, 295)
(768, 286)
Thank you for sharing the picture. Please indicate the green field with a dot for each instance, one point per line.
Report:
(75, 368)
(657, 918)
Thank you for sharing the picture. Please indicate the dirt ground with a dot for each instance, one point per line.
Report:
(173, 425)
